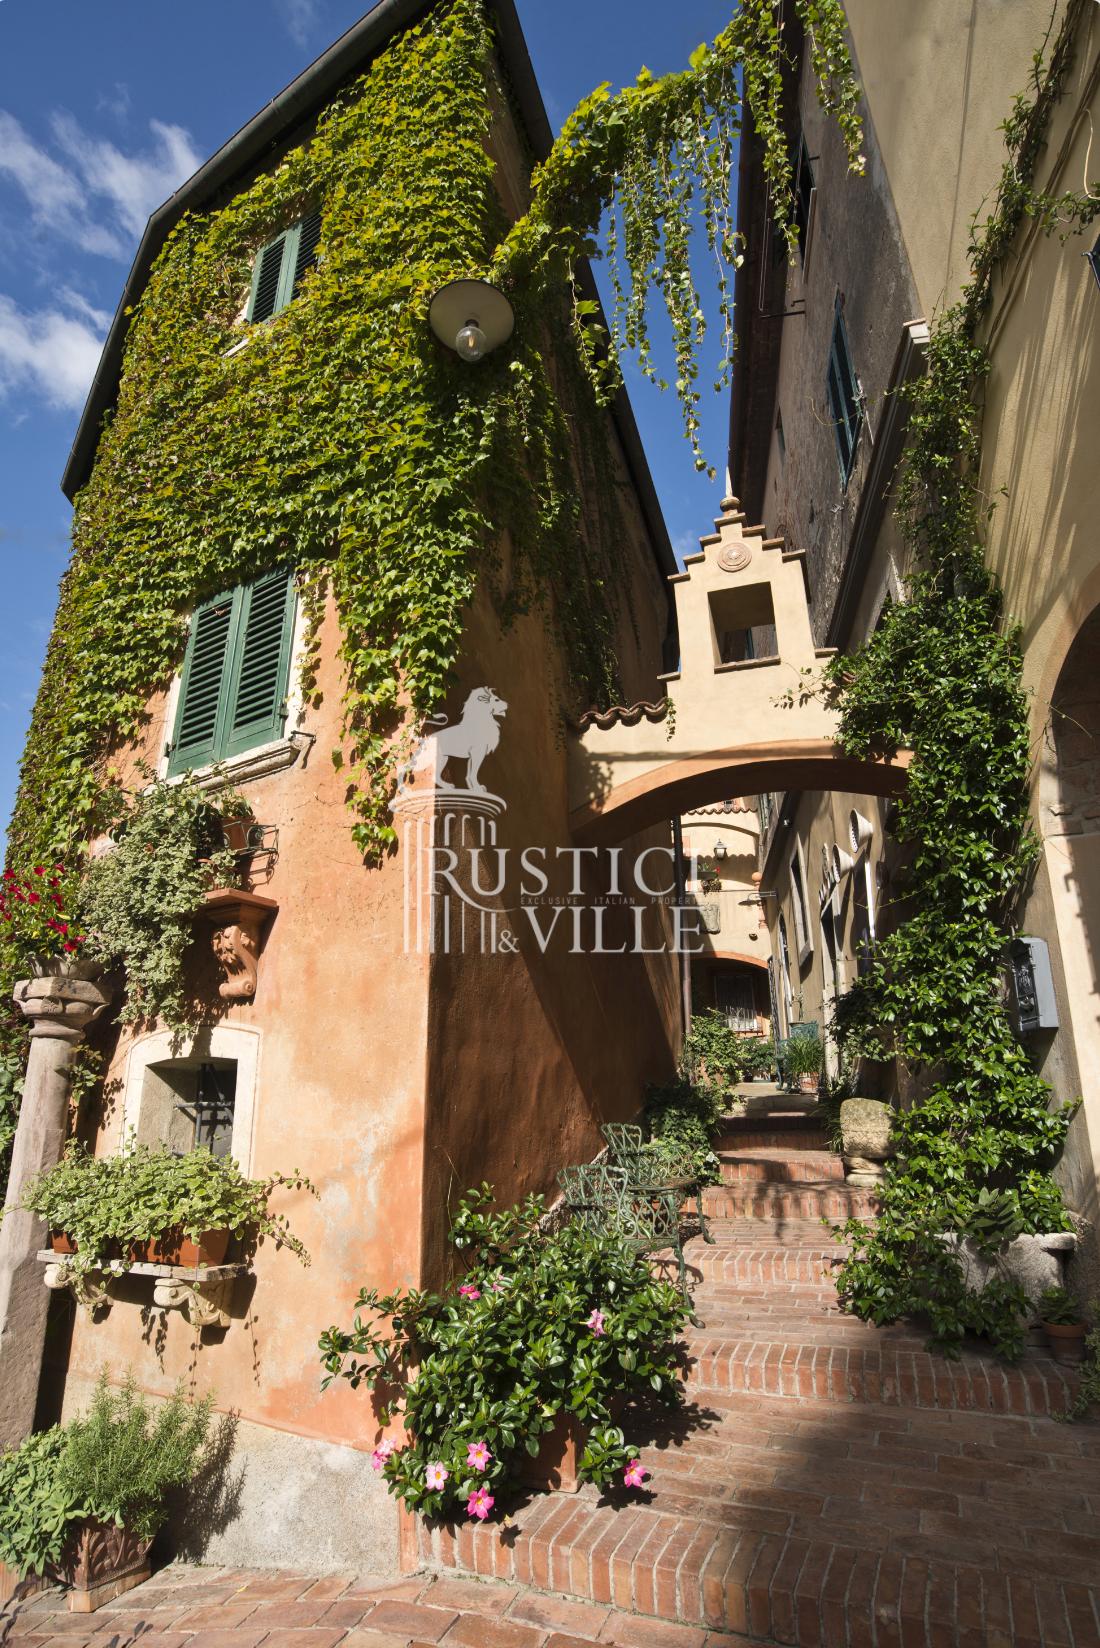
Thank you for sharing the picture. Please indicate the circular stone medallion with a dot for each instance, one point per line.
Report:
(734, 557)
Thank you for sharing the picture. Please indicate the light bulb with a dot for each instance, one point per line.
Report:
(470, 342)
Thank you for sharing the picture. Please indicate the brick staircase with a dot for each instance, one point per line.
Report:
(829, 1484)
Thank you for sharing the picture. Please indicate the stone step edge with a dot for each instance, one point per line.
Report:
(770, 1586)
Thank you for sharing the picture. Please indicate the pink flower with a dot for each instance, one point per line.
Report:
(477, 1455)
(436, 1475)
(596, 1323)
(480, 1503)
(469, 1291)
(635, 1474)
(382, 1452)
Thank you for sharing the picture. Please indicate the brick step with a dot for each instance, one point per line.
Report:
(779, 1166)
(823, 1199)
(771, 1134)
(834, 1366)
(800, 1568)
(766, 1264)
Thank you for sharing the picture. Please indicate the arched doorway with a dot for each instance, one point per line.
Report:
(1070, 822)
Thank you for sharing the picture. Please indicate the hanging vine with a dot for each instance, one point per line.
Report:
(942, 677)
(344, 441)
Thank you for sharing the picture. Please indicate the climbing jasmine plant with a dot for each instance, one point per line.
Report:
(942, 678)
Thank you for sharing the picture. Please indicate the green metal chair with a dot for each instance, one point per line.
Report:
(600, 1196)
(626, 1148)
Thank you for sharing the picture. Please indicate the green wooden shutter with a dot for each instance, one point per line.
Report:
(204, 672)
(256, 698)
(267, 281)
(305, 255)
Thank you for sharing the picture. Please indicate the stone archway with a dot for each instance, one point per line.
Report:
(668, 788)
(745, 713)
(1070, 825)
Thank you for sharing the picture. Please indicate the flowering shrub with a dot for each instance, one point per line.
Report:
(544, 1324)
(36, 917)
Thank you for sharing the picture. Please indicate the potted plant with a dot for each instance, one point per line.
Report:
(139, 903)
(81, 1502)
(1063, 1325)
(38, 929)
(803, 1058)
(153, 1206)
(531, 1353)
(235, 815)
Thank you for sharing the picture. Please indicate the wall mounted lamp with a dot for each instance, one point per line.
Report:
(471, 317)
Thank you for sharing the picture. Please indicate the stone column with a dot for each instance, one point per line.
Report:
(60, 1010)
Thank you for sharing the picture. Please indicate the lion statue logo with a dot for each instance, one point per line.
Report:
(474, 736)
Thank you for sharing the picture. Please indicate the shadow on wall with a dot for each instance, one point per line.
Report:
(209, 1505)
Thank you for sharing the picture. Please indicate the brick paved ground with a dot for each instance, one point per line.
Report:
(829, 1485)
(186, 1607)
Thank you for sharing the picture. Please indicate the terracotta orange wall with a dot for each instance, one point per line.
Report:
(343, 1017)
(529, 1053)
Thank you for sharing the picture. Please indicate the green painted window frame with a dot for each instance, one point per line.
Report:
(256, 620)
(842, 394)
(291, 270)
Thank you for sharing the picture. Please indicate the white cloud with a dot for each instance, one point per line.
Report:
(94, 195)
(300, 18)
(50, 353)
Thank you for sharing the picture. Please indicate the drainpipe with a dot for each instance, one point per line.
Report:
(681, 900)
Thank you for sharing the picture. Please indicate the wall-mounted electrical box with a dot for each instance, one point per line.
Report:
(1032, 986)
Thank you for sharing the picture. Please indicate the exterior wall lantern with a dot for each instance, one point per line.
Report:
(721, 850)
(471, 317)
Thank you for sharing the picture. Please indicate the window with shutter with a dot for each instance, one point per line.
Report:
(282, 266)
(235, 673)
(842, 392)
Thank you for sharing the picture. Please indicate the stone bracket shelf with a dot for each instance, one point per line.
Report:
(200, 1291)
(238, 918)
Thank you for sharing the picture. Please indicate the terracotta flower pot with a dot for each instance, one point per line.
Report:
(236, 832)
(176, 1249)
(1066, 1340)
(554, 1467)
(101, 1561)
(61, 1243)
(809, 1082)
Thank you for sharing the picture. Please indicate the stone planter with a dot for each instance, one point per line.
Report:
(1065, 1340)
(1034, 1263)
(100, 1562)
(74, 967)
(554, 1468)
(865, 1126)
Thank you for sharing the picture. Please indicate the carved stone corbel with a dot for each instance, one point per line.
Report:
(205, 1304)
(238, 917)
(88, 1287)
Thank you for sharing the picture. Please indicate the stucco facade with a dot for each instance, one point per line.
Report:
(395, 1075)
(938, 81)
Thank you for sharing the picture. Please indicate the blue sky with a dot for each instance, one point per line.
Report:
(104, 109)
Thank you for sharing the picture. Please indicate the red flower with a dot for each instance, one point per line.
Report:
(40, 869)
(69, 946)
(34, 898)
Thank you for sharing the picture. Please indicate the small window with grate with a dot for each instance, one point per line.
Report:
(281, 267)
(842, 394)
(235, 673)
